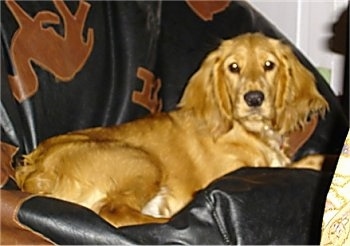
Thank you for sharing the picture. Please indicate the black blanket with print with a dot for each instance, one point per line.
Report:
(73, 65)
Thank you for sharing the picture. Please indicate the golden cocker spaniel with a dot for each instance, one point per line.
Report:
(235, 112)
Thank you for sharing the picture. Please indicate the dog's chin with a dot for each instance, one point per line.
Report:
(255, 120)
(254, 123)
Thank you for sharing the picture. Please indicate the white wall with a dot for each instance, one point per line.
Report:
(308, 24)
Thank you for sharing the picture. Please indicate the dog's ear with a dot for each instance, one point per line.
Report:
(208, 97)
(297, 97)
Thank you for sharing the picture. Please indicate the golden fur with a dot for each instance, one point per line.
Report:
(147, 170)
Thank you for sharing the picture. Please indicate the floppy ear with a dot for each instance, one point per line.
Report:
(297, 97)
(208, 97)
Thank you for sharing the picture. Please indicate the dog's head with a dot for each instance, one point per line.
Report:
(254, 80)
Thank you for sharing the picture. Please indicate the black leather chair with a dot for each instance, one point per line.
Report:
(73, 65)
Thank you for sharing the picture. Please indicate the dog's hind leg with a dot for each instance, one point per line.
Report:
(138, 201)
(138, 195)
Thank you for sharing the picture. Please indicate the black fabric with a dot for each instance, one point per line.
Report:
(168, 39)
(125, 37)
(68, 223)
(249, 206)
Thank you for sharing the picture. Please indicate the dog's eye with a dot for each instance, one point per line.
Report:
(234, 68)
(269, 65)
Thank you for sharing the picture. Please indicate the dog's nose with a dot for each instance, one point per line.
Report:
(254, 98)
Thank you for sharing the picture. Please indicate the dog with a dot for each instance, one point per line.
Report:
(236, 111)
